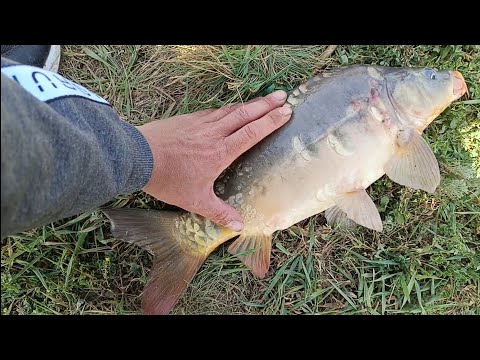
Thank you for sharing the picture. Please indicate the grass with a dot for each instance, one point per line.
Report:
(427, 260)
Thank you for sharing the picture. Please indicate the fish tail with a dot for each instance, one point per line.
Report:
(180, 243)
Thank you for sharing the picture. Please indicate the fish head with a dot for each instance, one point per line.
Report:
(419, 95)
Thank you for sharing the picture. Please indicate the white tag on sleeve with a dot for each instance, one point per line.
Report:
(46, 85)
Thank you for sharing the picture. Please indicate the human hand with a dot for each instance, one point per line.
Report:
(190, 151)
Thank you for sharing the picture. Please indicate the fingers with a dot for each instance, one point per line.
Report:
(212, 113)
(208, 115)
(243, 139)
(203, 112)
(221, 213)
(223, 111)
(194, 115)
(220, 113)
(246, 113)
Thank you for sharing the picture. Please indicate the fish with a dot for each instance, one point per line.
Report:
(349, 127)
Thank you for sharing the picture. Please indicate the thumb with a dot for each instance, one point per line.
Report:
(222, 213)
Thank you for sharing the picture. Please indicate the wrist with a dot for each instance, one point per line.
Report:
(157, 160)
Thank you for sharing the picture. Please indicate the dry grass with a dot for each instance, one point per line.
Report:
(426, 261)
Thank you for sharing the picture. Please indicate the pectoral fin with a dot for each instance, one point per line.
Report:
(413, 164)
(360, 208)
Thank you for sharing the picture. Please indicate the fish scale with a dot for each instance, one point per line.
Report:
(197, 234)
(309, 123)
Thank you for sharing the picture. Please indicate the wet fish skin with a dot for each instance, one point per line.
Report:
(349, 107)
(349, 127)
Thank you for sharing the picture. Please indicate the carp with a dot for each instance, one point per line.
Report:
(349, 127)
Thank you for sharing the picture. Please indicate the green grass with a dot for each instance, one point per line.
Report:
(427, 260)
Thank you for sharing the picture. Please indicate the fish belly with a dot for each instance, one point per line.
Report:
(349, 158)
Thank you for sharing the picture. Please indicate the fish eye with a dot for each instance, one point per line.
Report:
(430, 74)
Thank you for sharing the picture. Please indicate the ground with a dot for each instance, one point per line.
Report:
(427, 260)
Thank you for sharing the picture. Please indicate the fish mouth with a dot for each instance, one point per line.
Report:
(459, 85)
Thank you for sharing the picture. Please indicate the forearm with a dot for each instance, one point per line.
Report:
(63, 157)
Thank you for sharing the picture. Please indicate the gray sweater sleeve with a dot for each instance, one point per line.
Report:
(63, 157)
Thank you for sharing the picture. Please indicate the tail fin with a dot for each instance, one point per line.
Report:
(175, 263)
(257, 261)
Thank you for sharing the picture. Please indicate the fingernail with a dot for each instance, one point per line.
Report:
(285, 110)
(235, 226)
(279, 95)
